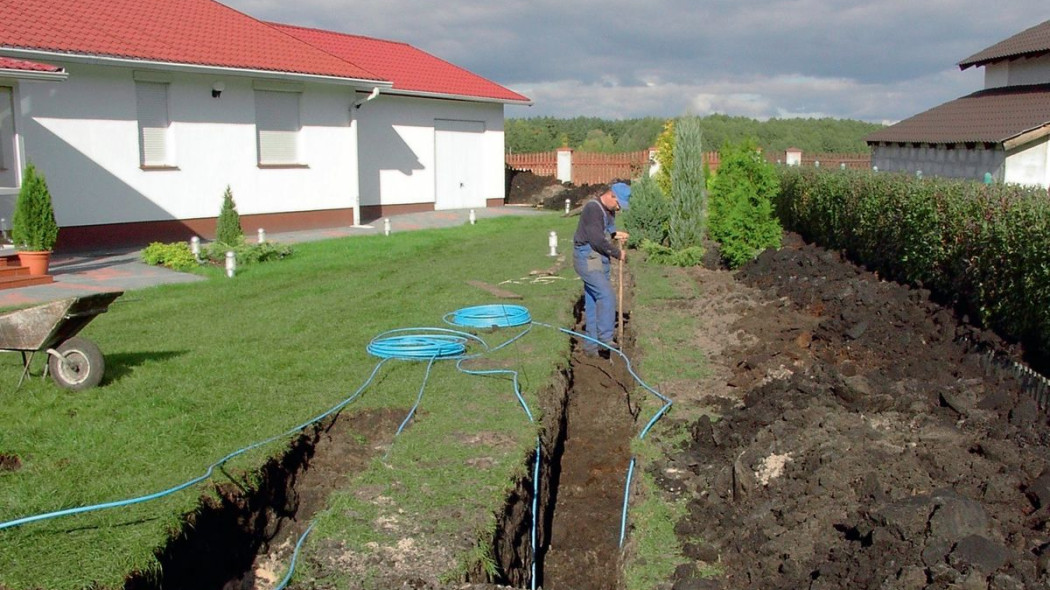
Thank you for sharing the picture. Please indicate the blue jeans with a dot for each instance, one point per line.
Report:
(599, 301)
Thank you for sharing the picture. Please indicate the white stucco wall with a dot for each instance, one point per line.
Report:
(397, 143)
(1029, 164)
(83, 135)
(959, 162)
(1018, 72)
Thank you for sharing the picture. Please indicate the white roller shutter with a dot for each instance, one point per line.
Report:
(154, 124)
(277, 122)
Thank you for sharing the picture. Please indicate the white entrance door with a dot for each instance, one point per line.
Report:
(457, 164)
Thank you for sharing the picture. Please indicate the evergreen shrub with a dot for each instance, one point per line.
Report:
(742, 218)
(649, 215)
(33, 226)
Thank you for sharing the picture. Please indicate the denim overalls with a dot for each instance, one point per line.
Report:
(599, 301)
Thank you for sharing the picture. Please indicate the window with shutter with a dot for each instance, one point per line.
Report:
(277, 126)
(8, 165)
(154, 124)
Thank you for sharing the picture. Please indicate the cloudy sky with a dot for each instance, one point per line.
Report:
(880, 60)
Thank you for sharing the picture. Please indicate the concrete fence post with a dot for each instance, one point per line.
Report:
(654, 164)
(565, 164)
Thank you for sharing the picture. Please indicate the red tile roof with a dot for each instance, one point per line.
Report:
(1028, 43)
(7, 63)
(199, 32)
(988, 116)
(410, 69)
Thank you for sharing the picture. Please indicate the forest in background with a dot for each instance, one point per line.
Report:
(590, 134)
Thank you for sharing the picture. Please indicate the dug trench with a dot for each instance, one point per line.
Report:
(243, 539)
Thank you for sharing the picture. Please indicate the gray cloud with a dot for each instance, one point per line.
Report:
(876, 61)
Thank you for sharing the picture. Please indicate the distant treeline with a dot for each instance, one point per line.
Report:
(541, 134)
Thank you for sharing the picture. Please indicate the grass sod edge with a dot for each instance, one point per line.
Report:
(652, 549)
(277, 345)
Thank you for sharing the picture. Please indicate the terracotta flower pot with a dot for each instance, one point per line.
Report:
(36, 261)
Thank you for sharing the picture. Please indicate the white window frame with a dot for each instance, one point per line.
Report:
(8, 154)
(277, 123)
(152, 99)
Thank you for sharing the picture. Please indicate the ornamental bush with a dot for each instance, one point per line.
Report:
(33, 225)
(176, 256)
(741, 218)
(228, 227)
(649, 215)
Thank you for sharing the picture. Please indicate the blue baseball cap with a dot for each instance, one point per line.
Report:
(622, 193)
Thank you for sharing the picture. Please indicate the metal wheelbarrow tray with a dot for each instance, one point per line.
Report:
(74, 362)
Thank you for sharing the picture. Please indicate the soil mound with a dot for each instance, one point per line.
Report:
(546, 192)
(875, 442)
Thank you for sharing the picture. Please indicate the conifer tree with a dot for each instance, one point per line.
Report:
(688, 193)
(228, 227)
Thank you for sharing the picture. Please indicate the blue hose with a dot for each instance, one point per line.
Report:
(499, 315)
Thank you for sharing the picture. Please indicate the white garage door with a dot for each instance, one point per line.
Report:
(458, 172)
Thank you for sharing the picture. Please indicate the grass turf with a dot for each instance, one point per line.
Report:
(197, 371)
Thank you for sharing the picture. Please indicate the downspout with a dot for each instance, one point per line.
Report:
(357, 151)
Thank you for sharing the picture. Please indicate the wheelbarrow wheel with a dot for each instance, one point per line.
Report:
(78, 365)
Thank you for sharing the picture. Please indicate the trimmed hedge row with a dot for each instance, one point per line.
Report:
(985, 248)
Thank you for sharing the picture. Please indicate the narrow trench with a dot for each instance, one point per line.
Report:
(589, 421)
(226, 543)
(587, 502)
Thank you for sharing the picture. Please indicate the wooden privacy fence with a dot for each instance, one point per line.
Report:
(594, 168)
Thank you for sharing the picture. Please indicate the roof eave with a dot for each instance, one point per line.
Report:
(1027, 136)
(189, 68)
(966, 63)
(463, 97)
(59, 76)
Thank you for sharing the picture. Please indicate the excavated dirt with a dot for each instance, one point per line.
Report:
(862, 437)
(545, 192)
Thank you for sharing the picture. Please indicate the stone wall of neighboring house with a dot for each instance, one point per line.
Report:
(958, 162)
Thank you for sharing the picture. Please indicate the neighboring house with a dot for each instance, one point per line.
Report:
(1002, 131)
(140, 113)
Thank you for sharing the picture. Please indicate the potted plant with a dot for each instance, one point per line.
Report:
(33, 227)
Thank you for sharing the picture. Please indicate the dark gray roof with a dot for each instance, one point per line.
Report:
(994, 115)
(1028, 43)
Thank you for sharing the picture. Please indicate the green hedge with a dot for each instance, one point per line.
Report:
(985, 248)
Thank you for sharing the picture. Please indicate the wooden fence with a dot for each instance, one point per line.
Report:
(594, 168)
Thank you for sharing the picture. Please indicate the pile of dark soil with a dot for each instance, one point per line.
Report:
(867, 439)
(546, 192)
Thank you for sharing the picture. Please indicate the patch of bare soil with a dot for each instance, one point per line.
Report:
(864, 438)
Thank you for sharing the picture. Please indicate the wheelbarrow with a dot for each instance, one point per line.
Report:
(74, 362)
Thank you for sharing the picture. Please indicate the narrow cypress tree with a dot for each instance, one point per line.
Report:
(33, 225)
(688, 193)
(228, 227)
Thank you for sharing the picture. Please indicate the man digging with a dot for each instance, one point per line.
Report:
(593, 248)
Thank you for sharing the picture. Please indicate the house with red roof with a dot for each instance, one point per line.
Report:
(1001, 132)
(141, 112)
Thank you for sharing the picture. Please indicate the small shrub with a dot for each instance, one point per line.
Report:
(176, 256)
(660, 254)
(649, 214)
(228, 227)
(33, 225)
(246, 253)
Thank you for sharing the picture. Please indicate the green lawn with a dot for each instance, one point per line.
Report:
(195, 372)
